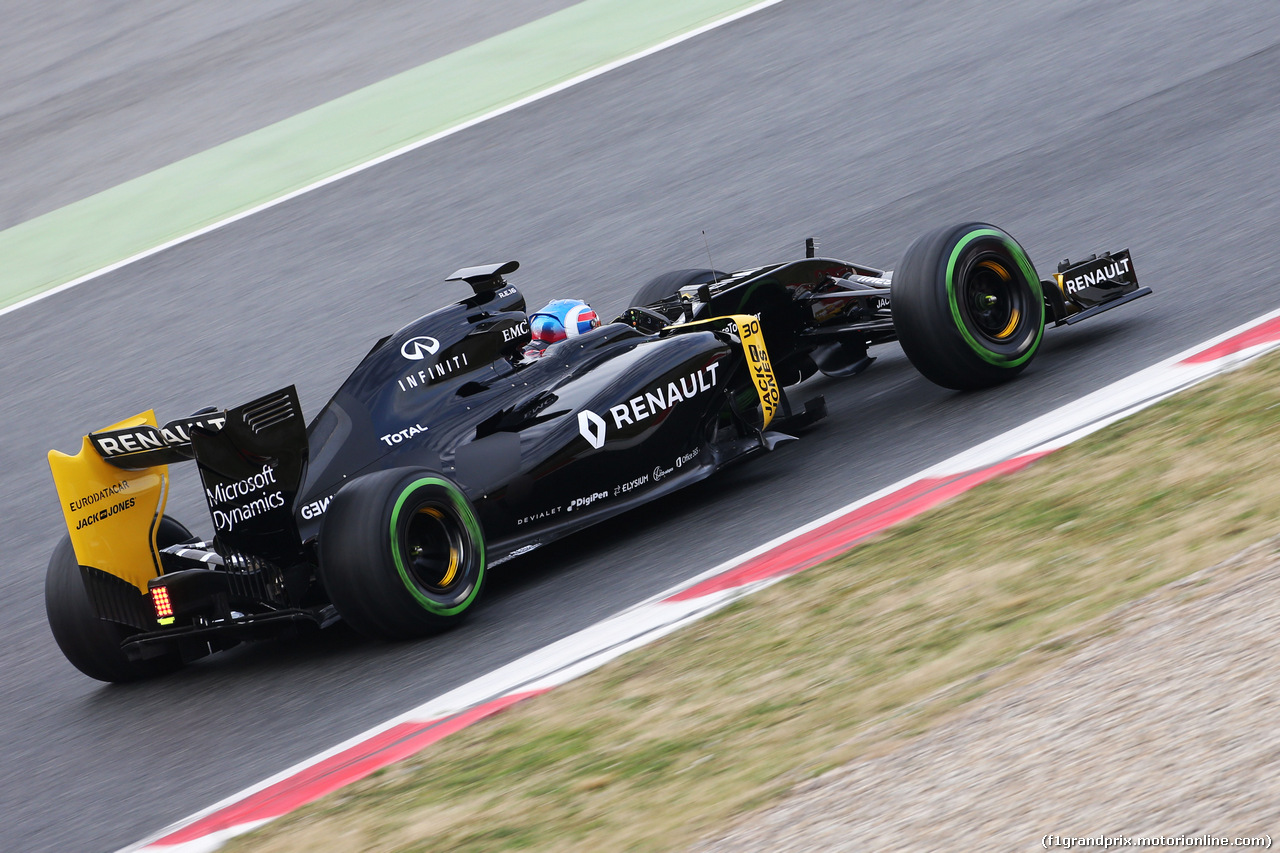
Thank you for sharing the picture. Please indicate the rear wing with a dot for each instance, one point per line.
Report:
(145, 444)
(251, 460)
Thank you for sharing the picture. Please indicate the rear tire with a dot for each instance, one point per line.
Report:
(92, 644)
(968, 307)
(401, 553)
(669, 283)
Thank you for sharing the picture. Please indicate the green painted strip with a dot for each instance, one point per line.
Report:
(83, 238)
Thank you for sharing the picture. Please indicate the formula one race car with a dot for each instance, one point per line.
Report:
(452, 448)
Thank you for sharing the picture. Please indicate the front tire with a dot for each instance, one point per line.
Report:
(401, 553)
(967, 306)
(92, 644)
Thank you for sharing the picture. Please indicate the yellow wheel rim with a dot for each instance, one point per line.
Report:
(451, 572)
(1015, 315)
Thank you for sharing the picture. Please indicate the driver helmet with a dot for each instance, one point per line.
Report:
(561, 319)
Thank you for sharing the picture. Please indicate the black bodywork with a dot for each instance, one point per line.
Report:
(603, 421)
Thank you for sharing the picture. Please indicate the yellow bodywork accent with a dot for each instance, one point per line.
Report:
(748, 329)
(112, 514)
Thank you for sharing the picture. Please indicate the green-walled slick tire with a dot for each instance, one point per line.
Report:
(968, 307)
(401, 553)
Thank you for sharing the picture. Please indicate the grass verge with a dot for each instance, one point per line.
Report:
(668, 744)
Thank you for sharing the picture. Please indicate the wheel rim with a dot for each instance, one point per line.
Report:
(434, 548)
(970, 285)
(437, 545)
(991, 299)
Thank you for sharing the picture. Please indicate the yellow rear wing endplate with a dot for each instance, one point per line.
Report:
(112, 514)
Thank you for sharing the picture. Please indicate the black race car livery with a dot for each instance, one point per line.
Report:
(450, 449)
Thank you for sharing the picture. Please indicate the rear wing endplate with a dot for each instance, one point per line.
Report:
(251, 469)
(112, 514)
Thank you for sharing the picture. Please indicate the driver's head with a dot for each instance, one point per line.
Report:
(561, 319)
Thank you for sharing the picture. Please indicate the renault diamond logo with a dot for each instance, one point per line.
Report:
(416, 349)
(591, 426)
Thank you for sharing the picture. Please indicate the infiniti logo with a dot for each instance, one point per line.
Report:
(416, 349)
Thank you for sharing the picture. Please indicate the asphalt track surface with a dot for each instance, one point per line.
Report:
(93, 94)
(1099, 126)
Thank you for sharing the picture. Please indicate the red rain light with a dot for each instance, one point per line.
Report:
(160, 598)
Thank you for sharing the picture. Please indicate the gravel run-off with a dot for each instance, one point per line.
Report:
(1161, 722)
